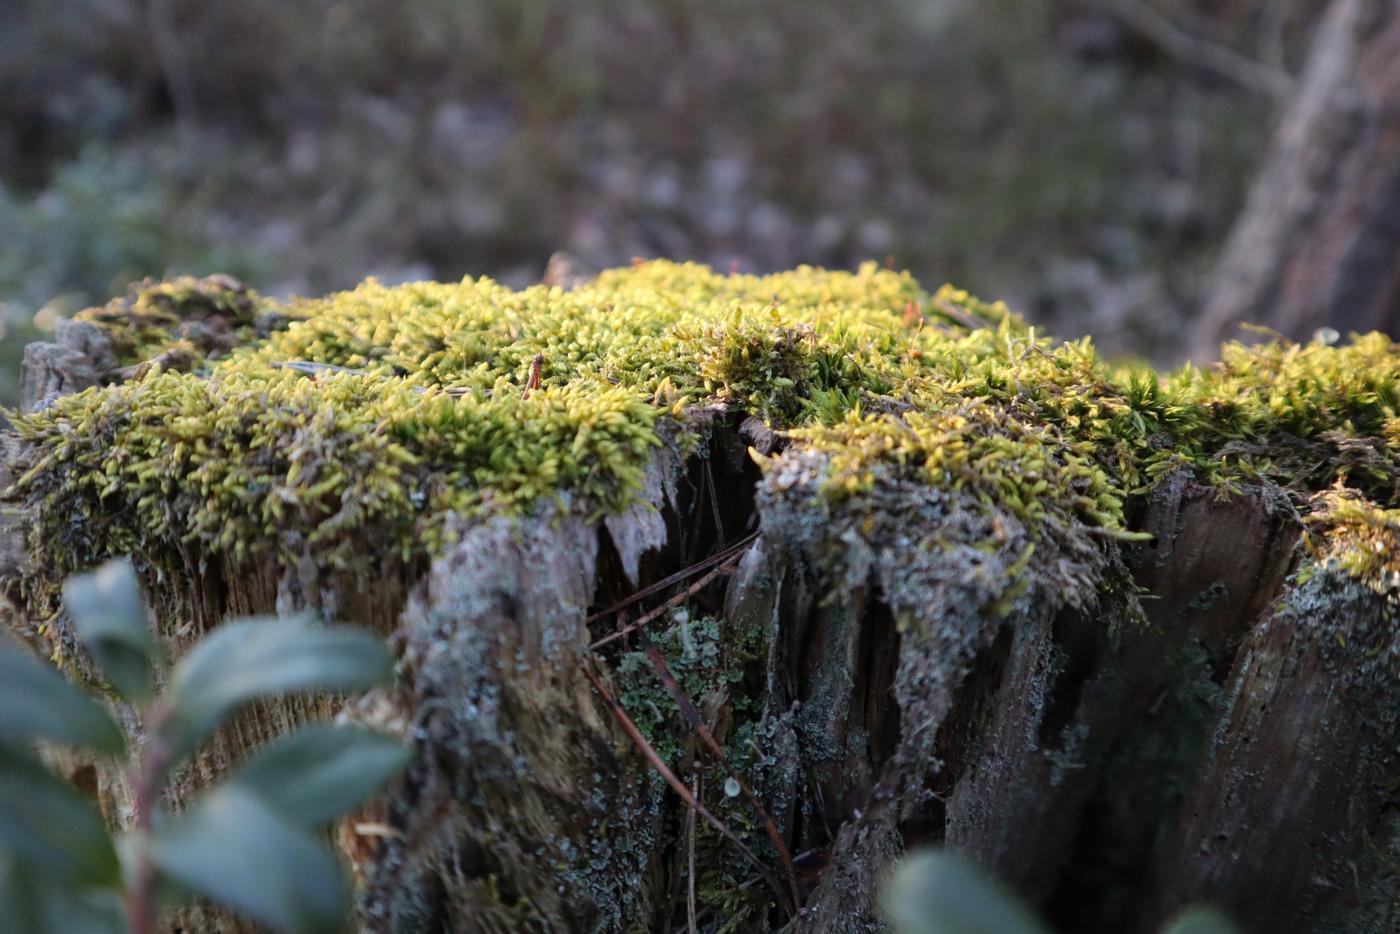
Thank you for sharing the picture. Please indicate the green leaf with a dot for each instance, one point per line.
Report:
(33, 902)
(254, 658)
(934, 892)
(319, 772)
(1200, 919)
(234, 849)
(110, 618)
(44, 821)
(36, 702)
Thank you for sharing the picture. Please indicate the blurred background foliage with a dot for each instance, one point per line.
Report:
(1042, 151)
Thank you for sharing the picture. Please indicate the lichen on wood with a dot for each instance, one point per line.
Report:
(999, 588)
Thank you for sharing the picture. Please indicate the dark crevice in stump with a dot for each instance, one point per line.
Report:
(1291, 823)
(1214, 564)
(525, 781)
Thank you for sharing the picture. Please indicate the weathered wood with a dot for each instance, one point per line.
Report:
(897, 712)
(1214, 564)
(519, 765)
(528, 806)
(79, 357)
(1290, 824)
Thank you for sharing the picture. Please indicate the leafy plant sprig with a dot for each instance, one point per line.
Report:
(249, 843)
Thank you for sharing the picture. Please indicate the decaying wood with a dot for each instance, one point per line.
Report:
(1002, 736)
(78, 357)
(1318, 242)
(520, 761)
(1115, 729)
(1291, 822)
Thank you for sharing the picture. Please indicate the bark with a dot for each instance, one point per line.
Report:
(1318, 244)
(1310, 731)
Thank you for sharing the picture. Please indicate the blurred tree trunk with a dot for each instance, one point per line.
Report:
(1318, 244)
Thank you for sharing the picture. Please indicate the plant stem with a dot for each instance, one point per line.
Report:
(148, 780)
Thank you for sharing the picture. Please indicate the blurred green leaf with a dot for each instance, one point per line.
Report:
(253, 658)
(1200, 919)
(231, 847)
(319, 772)
(110, 618)
(44, 821)
(935, 892)
(37, 702)
(33, 902)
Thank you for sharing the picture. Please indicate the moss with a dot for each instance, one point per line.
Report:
(712, 658)
(1358, 538)
(416, 408)
(942, 455)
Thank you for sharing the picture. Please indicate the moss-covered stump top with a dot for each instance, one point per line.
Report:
(355, 423)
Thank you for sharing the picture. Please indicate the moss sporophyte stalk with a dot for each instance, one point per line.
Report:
(405, 404)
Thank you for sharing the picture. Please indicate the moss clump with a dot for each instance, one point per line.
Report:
(243, 455)
(341, 466)
(1358, 538)
(975, 448)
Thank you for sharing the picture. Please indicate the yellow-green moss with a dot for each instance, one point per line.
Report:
(1359, 538)
(429, 413)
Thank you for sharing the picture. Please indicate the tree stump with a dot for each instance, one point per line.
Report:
(1127, 641)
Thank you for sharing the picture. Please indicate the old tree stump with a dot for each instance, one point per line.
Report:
(1128, 641)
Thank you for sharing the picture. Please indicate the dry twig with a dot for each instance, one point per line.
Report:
(690, 870)
(672, 579)
(1199, 53)
(673, 602)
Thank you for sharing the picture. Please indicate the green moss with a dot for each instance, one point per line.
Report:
(410, 404)
(243, 456)
(1359, 538)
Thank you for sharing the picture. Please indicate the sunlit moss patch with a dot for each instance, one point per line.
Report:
(1359, 538)
(406, 403)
